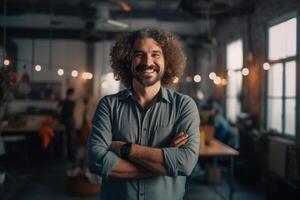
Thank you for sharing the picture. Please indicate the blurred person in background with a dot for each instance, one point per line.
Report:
(66, 109)
(216, 116)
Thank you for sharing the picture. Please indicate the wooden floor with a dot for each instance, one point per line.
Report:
(45, 179)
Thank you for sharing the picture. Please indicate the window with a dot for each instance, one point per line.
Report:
(234, 64)
(1, 54)
(281, 96)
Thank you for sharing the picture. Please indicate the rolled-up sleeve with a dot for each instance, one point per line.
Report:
(181, 161)
(100, 160)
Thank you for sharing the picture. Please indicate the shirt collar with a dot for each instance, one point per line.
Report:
(162, 95)
(126, 94)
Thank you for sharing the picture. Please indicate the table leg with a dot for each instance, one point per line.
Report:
(230, 180)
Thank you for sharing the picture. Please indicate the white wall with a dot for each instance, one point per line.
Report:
(206, 63)
(66, 54)
(20, 106)
(101, 64)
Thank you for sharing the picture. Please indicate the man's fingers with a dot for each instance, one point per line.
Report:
(181, 143)
(179, 139)
(180, 135)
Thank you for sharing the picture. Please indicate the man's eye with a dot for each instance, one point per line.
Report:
(156, 55)
(138, 55)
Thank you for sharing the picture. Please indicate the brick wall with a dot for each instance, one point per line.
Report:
(252, 29)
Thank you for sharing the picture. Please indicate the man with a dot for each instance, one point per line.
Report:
(66, 108)
(145, 139)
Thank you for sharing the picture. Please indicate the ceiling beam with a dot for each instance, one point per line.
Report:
(85, 11)
(60, 34)
(77, 34)
(203, 9)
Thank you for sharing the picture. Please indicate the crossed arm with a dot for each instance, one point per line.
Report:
(177, 159)
(143, 161)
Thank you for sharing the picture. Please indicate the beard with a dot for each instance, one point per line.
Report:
(138, 74)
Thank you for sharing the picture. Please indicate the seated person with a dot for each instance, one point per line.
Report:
(216, 118)
(222, 128)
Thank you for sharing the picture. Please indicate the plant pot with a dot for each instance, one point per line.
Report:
(2, 177)
(80, 186)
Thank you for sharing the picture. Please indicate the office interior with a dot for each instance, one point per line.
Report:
(242, 72)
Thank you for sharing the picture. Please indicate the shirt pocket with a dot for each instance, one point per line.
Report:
(162, 136)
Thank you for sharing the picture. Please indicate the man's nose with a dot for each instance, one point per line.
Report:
(148, 60)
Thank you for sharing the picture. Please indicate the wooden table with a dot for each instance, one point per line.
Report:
(217, 149)
(22, 133)
(26, 129)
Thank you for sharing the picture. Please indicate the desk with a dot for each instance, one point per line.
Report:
(15, 134)
(26, 129)
(218, 149)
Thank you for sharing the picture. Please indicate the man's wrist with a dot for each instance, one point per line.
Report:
(125, 151)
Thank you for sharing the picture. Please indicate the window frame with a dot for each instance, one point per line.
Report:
(283, 61)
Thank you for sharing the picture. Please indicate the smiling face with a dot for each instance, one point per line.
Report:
(148, 63)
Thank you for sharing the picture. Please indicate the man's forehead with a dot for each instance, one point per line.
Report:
(148, 43)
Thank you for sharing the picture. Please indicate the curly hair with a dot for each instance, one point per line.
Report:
(122, 52)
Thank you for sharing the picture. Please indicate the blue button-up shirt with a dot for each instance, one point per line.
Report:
(120, 117)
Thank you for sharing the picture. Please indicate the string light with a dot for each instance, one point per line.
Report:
(6, 62)
(188, 79)
(38, 68)
(87, 75)
(230, 72)
(175, 79)
(245, 71)
(60, 72)
(74, 73)
(223, 81)
(217, 80)
(197, 78)
(266, 66)
(212, 75)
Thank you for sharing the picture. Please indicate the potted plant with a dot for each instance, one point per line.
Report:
(2, 176)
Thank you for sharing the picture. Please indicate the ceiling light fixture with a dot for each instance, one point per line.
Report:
(117, 23)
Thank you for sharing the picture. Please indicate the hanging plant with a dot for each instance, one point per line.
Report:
(8, 82)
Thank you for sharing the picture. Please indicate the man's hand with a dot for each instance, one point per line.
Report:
(179, 140)
(116, 147)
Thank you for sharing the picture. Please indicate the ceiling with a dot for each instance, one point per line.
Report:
(138, 8)
(80, 18)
